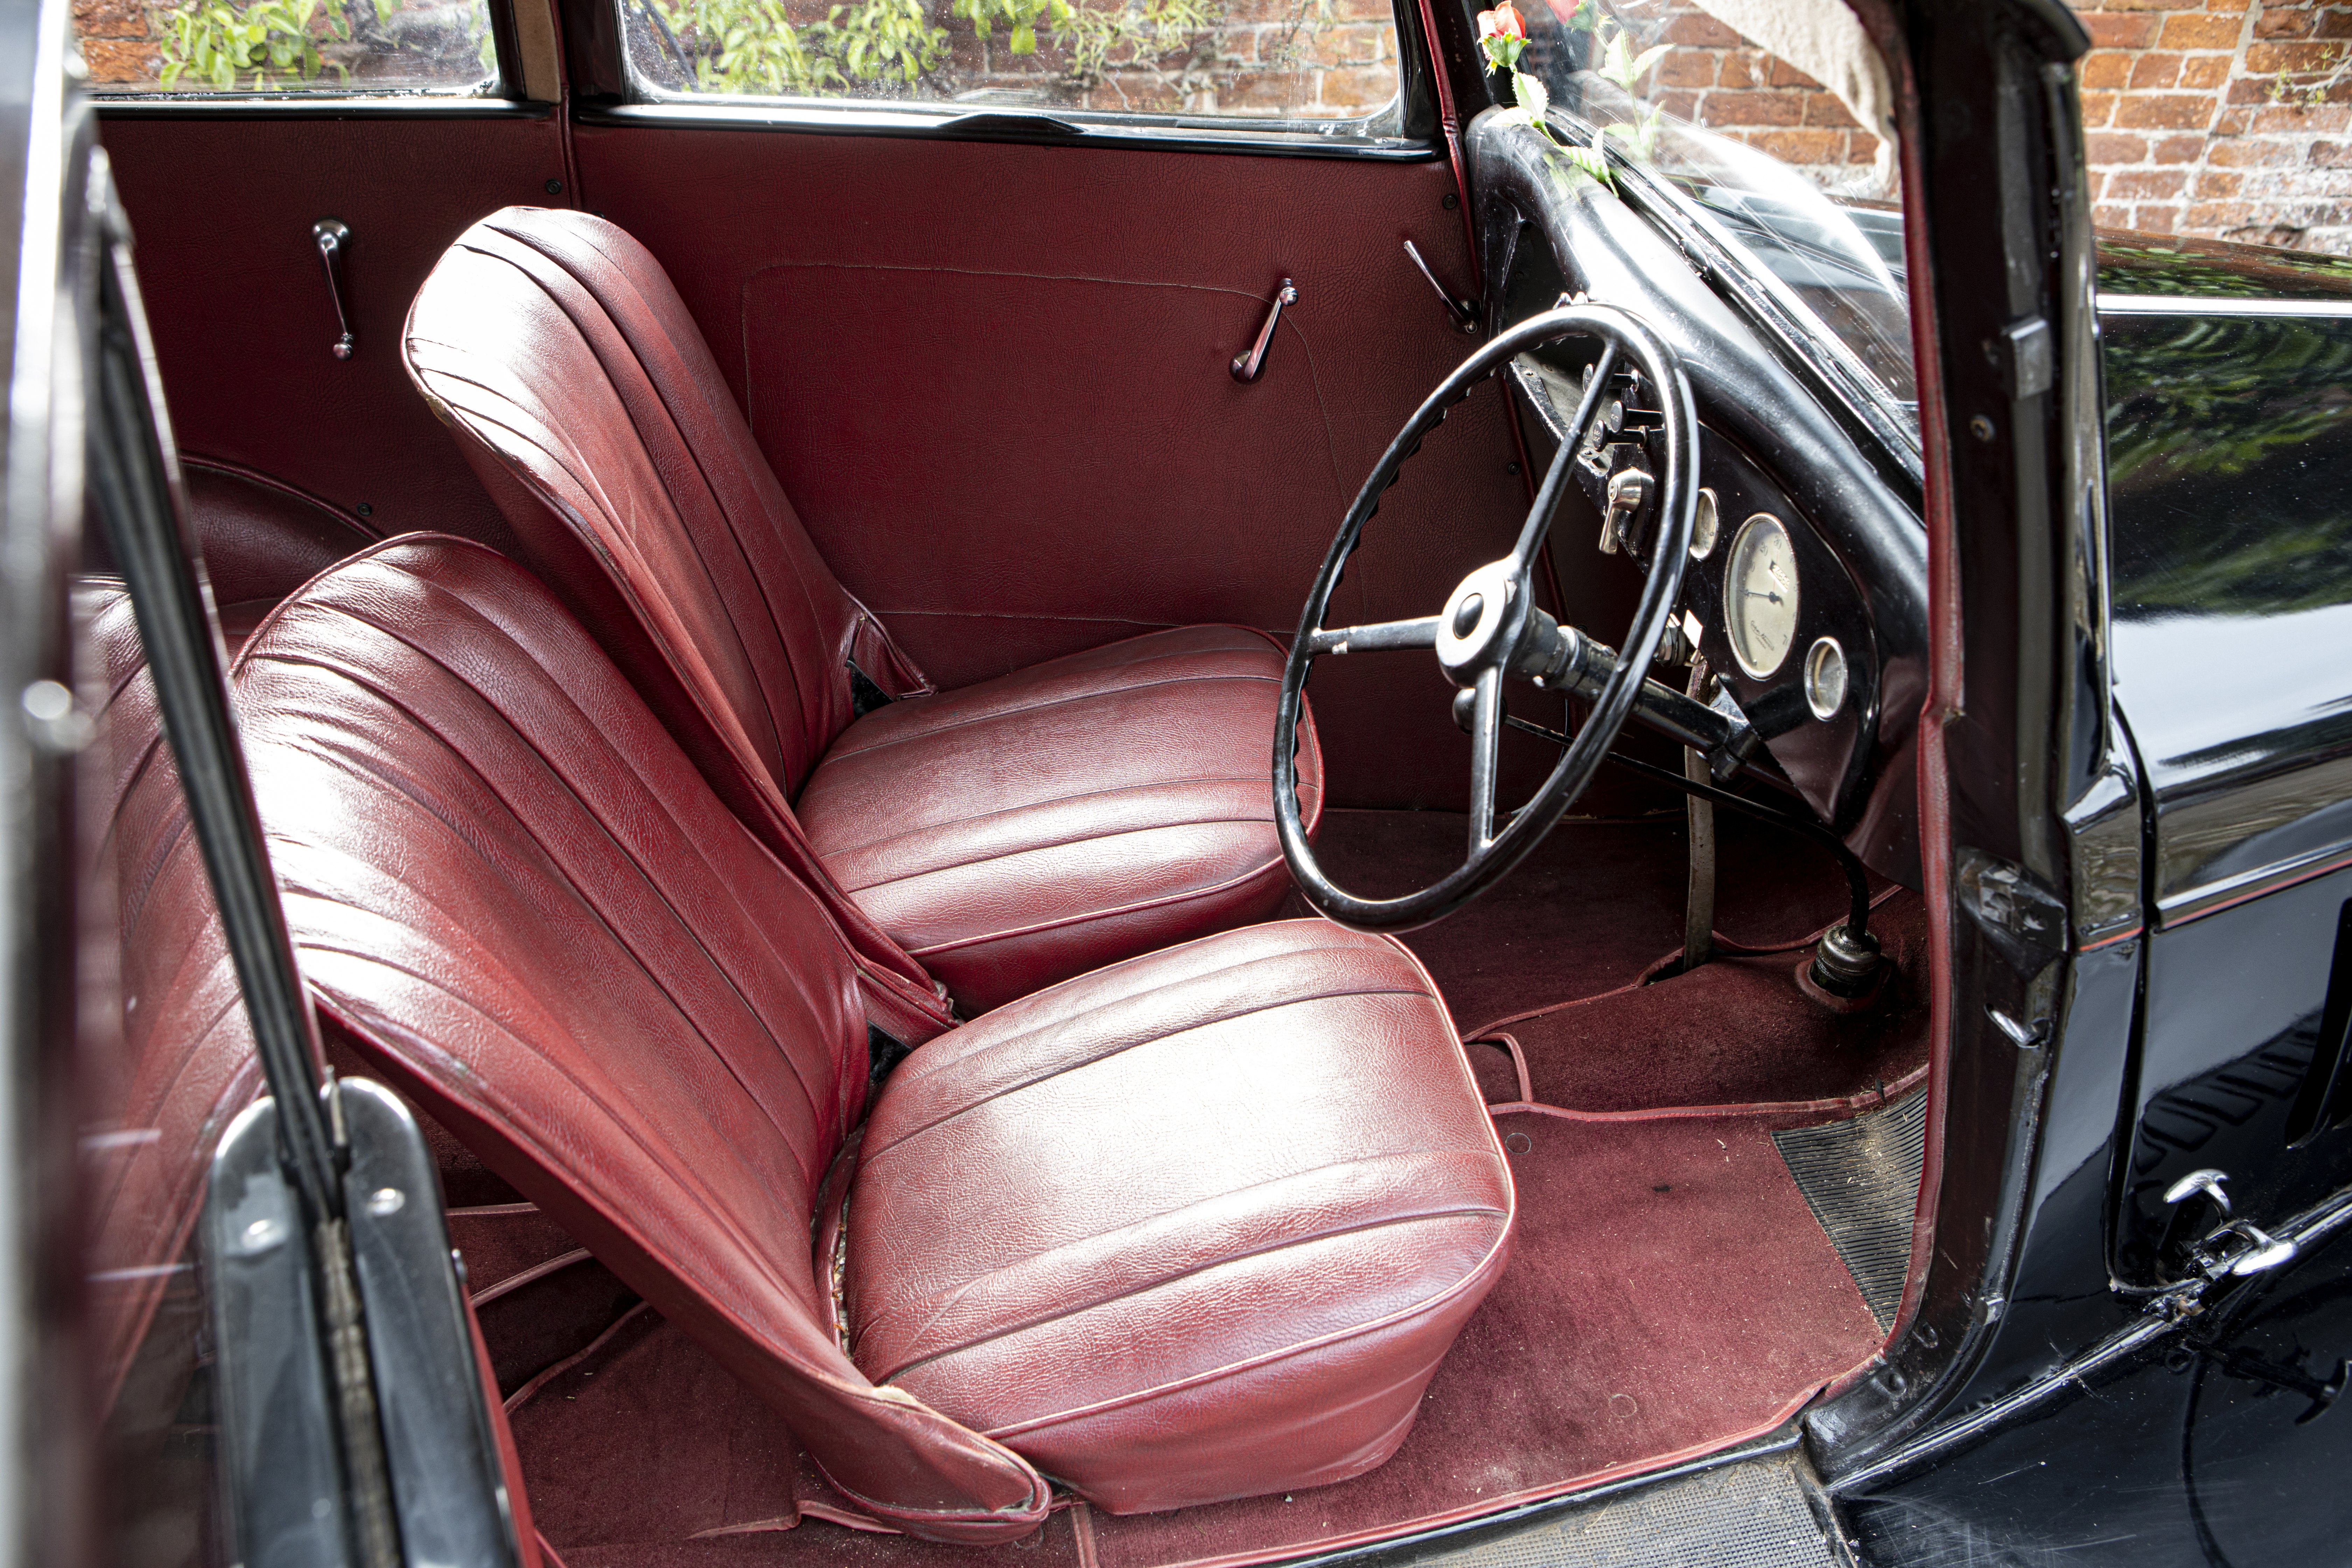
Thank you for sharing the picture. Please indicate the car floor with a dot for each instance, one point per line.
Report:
(1670, 1292)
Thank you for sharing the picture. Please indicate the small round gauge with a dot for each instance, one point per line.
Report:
(1825, 677)
(1704, 527)
(1760, 596)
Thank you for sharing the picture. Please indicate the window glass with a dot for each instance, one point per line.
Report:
(1331, 64)
(287, 46)
(164, 1061)
(1776, 169)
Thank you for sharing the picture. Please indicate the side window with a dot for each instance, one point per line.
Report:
(337, 46)
(1326, 65)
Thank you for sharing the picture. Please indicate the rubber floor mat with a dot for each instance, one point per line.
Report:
(1861, 1178)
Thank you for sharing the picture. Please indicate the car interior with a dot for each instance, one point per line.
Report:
(773, 676)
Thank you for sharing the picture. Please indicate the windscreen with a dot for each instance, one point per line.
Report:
(1774, 167)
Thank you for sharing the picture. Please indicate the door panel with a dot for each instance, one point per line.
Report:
(993, 380)
(222, 208)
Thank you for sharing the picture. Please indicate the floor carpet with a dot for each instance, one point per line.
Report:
(1669, 1292)
(1596, 904)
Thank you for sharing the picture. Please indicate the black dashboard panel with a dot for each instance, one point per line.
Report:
(1824, 758)
(1768, 445)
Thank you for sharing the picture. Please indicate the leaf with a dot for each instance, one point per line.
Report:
(1024, 39)
(1648, 58)
(1532, 96)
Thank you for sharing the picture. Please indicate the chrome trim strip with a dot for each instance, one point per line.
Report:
(191, 106)
(2219, 305)
(2212, 898)
(1062, 128)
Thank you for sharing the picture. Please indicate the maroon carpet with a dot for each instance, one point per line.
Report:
(1735, 1031)
(1670, 1293)
(1596, 904)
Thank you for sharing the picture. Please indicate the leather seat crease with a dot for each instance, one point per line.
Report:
(1102, 813)
(1255, 1163)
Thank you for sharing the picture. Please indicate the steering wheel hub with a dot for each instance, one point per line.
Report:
(1480, 628)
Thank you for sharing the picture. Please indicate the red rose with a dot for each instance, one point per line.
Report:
(1502, 22)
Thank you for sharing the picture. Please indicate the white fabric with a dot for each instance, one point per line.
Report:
(1823, 40)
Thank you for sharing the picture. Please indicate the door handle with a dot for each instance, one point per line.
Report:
(333, 236)
(1464, 312)
(1247, 363)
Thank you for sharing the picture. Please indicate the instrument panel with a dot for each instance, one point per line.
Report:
(1770, 606)
(1783, 621)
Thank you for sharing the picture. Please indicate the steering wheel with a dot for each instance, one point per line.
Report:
(1491, 630)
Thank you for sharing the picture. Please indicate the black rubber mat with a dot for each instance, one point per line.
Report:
(1861, 1178)
(1752, 1514)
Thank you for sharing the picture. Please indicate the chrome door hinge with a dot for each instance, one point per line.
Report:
(2235, 1246)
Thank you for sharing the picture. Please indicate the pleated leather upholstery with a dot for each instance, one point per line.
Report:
(1257, 1195)
(1018, 832)
(528, 910)
(580, 390)
(1194, 1226)
(172, 1069)
(1117, 800)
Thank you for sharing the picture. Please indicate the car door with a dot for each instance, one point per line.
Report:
(2231, 461)
(985, 322)
(231, 154)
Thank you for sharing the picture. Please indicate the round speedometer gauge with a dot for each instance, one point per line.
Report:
(1760, 596)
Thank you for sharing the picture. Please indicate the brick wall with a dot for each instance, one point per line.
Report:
(2222, 119)
(2225, 118)
(1715, 79)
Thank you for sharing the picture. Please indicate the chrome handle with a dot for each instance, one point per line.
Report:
(1246, 366)
(333, 236)
(1464, 312)
(2208, 1182)
(2263, 1251)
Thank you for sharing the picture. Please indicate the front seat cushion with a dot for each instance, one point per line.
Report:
(1017, 832)
(1185, 1224)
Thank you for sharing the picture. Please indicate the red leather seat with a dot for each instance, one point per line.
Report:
(1106, 803)
(1197, 1226)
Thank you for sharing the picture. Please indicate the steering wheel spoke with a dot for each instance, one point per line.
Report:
(1580, 435)
(1375, 637)
(1486, 757)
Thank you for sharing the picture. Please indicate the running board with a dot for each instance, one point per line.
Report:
(1767, 1511)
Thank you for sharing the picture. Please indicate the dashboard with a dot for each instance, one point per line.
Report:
(1806, 590)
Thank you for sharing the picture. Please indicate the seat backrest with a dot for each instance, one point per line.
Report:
(167, 1070)
(515, 896)
(583, 392)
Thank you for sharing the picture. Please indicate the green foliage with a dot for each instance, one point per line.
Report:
(1020, 17)
(755, 47)
(748, 46)
(1146, 29)
(259, 45)
(884, 38)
